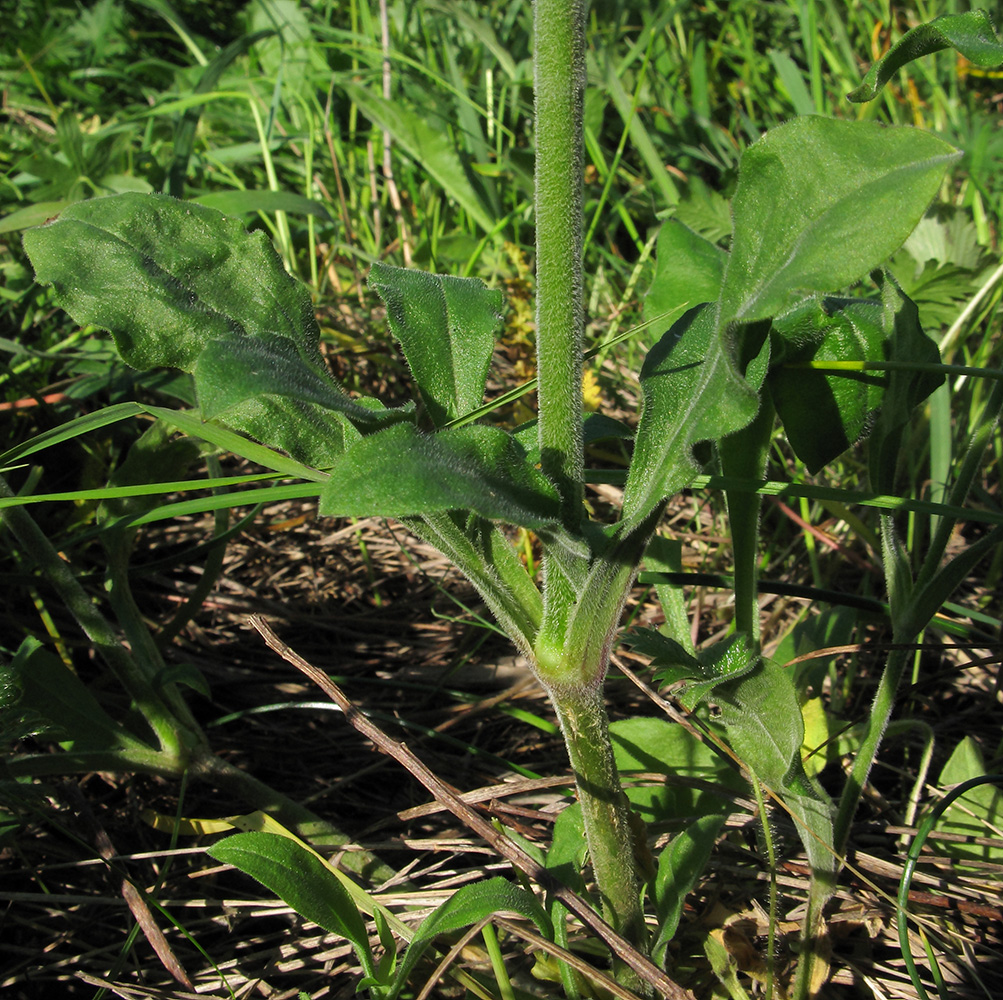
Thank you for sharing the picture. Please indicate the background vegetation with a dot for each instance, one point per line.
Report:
(351, 137)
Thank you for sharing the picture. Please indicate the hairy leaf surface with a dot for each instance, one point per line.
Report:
(447, 328)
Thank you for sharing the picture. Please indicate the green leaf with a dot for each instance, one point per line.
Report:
(31, 215)
(904, 390)
(971, 33)
(974, 814)
(727, 660)
(688, 271)
(465, 907)
(819, 204)
(244, 201)
(824, 412)
(693, 391)
(237, 368)
(166, 277)
(49, 689)
(401, 472)
(447, 329)
(431, 147)
(659, 746)
(765, 728)
(303, 881)
(680, 866)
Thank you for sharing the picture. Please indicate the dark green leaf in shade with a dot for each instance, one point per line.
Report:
(166, 277)
(693, 391)
(401, 472)
(50, 690)
(819, 204)
(447, 329)
(972, 34)
(825, 412)
(904, 390)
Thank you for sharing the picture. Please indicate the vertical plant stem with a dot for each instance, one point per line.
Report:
(881, 710)
(582, 714)
(559, 82)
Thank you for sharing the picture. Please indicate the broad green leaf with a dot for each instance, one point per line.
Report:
(429, 144)
(661, 747)
(819, 204)
(166, 277)
(401, 472)
(977, 813)
(766, 729)
(693, 391)
(302, 880)
(680, 866)
(971, 33)
(688, 271)
(465, 907)
(824, 414)
(447, 328)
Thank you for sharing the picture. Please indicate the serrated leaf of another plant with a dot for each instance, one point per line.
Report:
(971, 33)
(48, 688)
(447, 329)
(820, 203)
(401, 472)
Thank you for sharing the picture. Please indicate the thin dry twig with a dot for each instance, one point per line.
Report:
(449, 797)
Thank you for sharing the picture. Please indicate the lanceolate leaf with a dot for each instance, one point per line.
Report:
(303, 881)
(693, 392)
(447, 328)
(402, 472)
(819, 204)
(972, 34)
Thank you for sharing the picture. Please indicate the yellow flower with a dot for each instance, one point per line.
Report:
(591, 392)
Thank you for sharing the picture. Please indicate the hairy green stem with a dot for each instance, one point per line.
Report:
(559, 84)
(582, 714)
